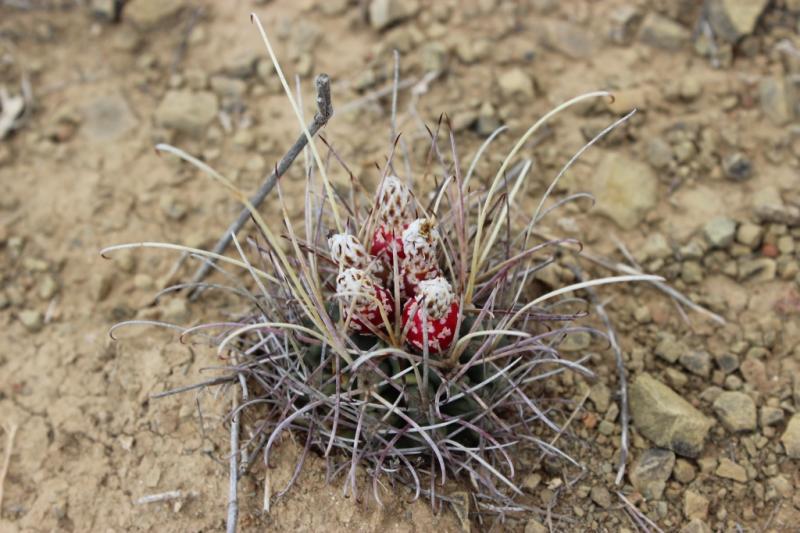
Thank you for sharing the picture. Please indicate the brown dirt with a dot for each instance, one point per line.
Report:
(91, 442)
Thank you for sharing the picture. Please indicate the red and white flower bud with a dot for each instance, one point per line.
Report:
(394, 209)
(395, 204)
(436, 307)
(384, 240)
(347, 252)
(362, 300)
(419, 262)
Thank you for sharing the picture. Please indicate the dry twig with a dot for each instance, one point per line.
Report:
(324, 113)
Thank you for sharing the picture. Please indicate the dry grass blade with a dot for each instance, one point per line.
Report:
(11, 433)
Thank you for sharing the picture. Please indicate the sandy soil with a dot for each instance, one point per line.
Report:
(80, 173)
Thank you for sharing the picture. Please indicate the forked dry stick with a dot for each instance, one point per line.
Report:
(324, 113)
(11, 433)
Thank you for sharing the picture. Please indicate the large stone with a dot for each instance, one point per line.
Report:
(384, 13)
(736, 410)
(651, 471)
(626, 189)
(664, 417)
(661, 32)
(150, 13)
(733, 19)
(791, 437)
(187, 111)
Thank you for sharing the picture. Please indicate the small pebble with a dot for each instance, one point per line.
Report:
(727, 362)
(47, 287)
(749, 235)
(683, 471)
(719, 232)
(730, 470)
(791, 437)
(601, 496)
(143, 282)
(32, 320)
(737, 167)
(770, 416)
(736, 411)
(695, 505)
(698, 363)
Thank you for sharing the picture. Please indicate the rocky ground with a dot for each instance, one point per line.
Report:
(701, 185)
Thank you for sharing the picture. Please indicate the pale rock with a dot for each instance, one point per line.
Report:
(624, 22)
(749, 235)
(661, 32)
(777, 100)
(666, 418)
(758, 270)
(516, 83)
(729, 470)
(384, 13)
(719, 232)
(186, 111)
(696, 362)
(569, 39)
(770, 207)
(791, 437)
(148, 14)
(650, 472)
(696, 525)
(32, 319)
(734, 19)
(626, 189)
(736, 410)
(601, 496)
(695, 505)
(770, 416)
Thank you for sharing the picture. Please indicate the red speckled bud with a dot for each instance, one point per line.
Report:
(395, 204)
(347, 252)
(436, 300)
(382, 243)
(362, 297)
(419, 261)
